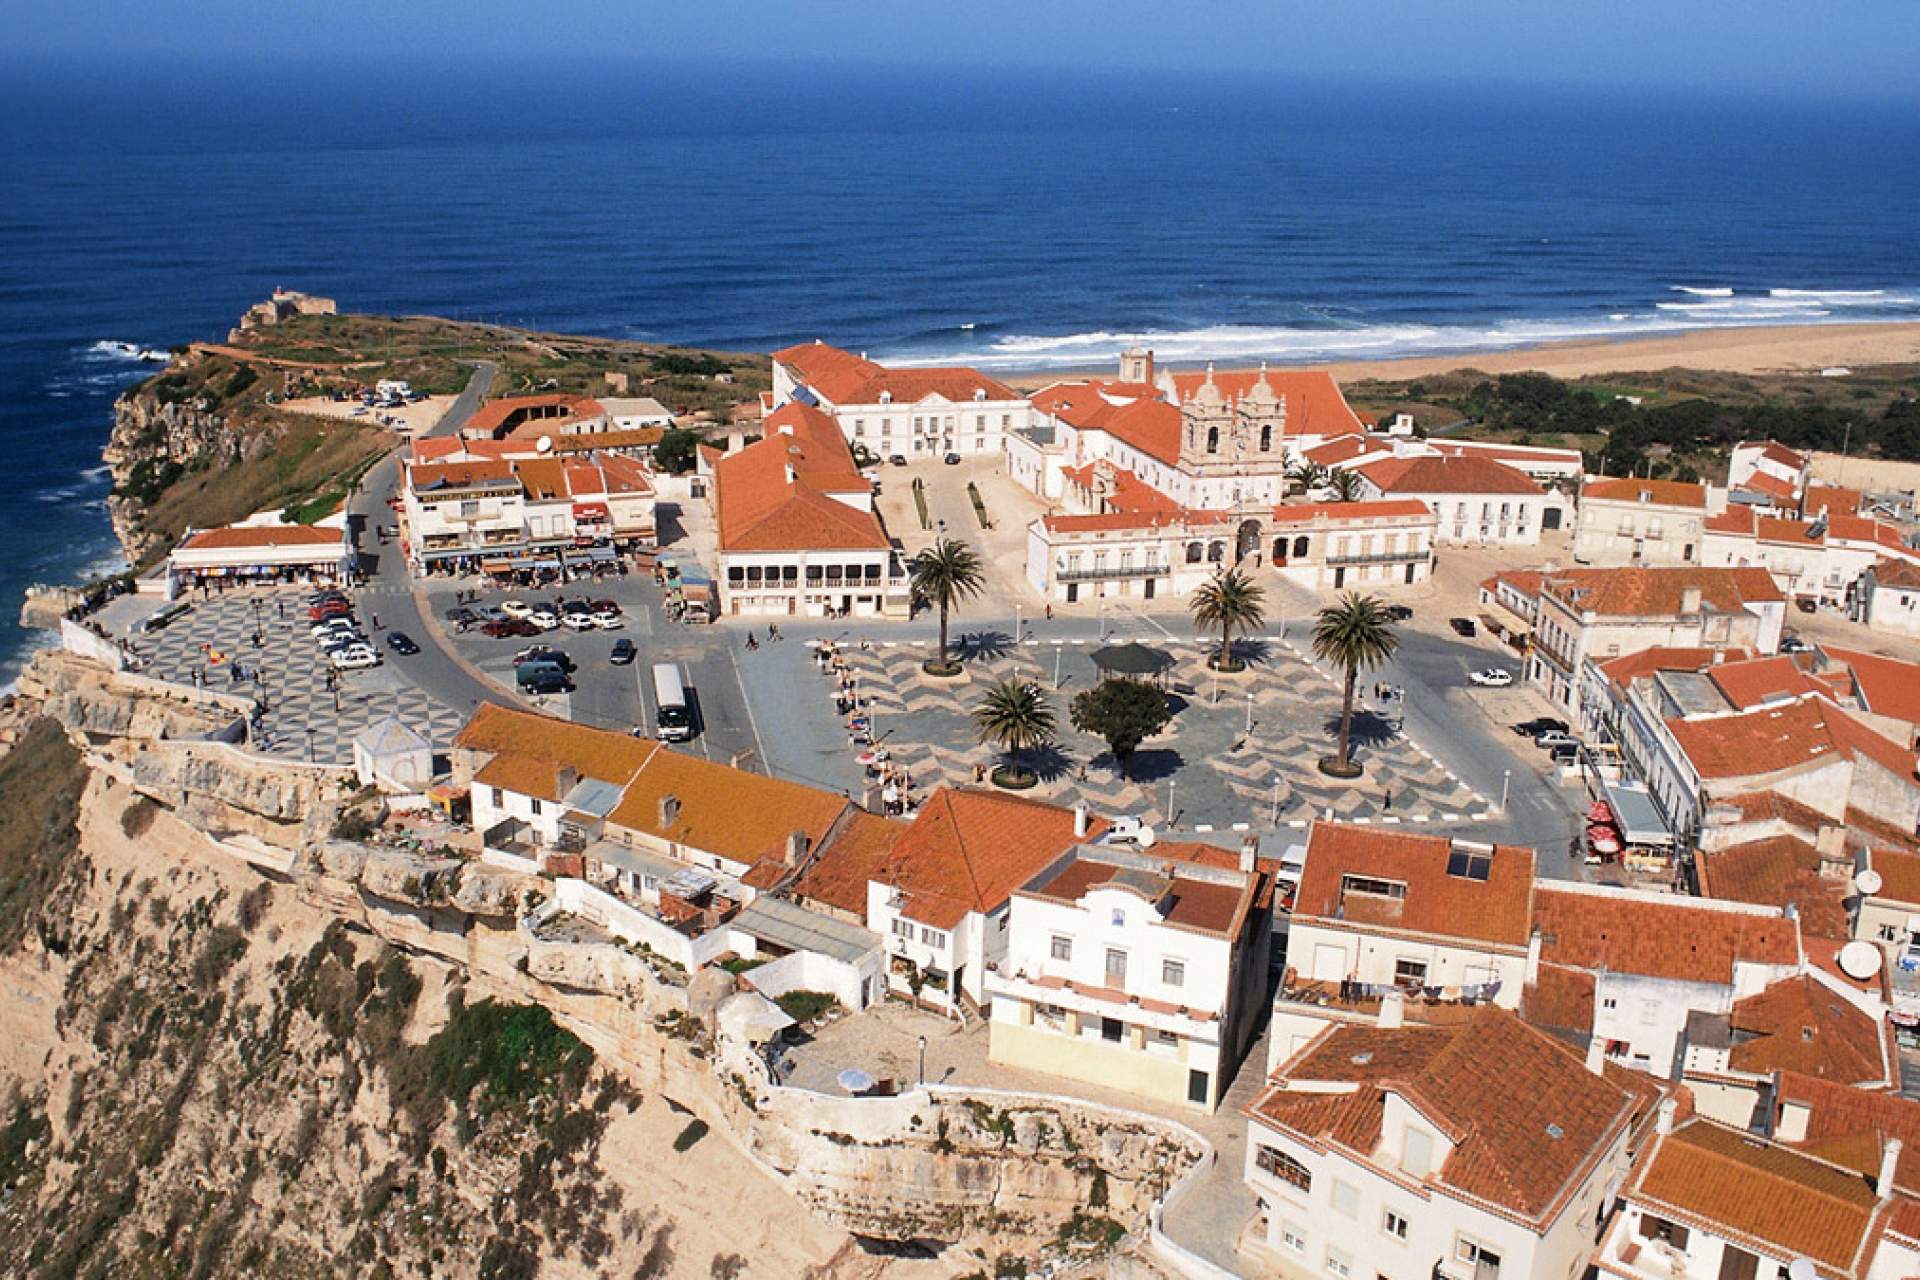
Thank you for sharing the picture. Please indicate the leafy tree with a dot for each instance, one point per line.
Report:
(1228, 602)
(1347, 486)
(945, 574)
(1123, 712)
(1014, 716)
(1353, 634)
(675, 452)
(1303, 475)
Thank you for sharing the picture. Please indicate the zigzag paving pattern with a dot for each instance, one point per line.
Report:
(292, 676)
(1221, 775)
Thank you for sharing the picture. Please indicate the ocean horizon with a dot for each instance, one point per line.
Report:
(1013, 220)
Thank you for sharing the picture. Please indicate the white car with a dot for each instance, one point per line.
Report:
(333, 626)
(355, 659)
(578, 621)
(516, 608)
(1128, 829)
(545, 619)
(609, 621)
(1492, 678)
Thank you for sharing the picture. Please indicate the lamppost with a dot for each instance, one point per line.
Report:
(1506, 781)
(1249, 711)
(923, 1062)
(1016, 624)
(1171, 783)
(309, 729)
(1056, 664)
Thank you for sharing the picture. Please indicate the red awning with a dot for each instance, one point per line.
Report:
(591, 511)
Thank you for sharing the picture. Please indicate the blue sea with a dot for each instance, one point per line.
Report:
(1012, 221)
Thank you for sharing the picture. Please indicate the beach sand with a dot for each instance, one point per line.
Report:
(1758, 349)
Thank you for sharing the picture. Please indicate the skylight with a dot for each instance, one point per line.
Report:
(1469, 863)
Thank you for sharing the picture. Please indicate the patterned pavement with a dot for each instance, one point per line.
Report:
(292, 674)
(1213, 772)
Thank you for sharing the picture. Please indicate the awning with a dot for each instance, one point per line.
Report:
(495, 566)
(1636, 814)
(591, 511)
(1500, 618)
(605, 555)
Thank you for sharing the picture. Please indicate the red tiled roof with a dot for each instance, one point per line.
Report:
(732, 812)
(1656, 937)
(1747, 1189)
(1777, 871)
(1642, 592)
(490, 417)
(1519, 456)
(1900, 574)
(1129, 493)
(1527, 1120)
(1899, 874)
(1759, 680)
(1344, 512)
(843, 378)
(1660, 493)
(458, 475)
(1884, 686)
(1494, 910)
(1464, 474)
(528, 750)
(1737, 520)
(1341, 449)
(969, 850)
(1313, 401)
(1559, 999)
(1847, 1126)
(1624, 671)
(1768, 483)
(773, 494)
(1798, 1024)
(1833, 499)
(263, 537)
(1778, 737)
(1774, 451)
(856, 855)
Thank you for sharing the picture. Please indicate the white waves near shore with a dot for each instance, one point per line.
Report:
(1719, 291)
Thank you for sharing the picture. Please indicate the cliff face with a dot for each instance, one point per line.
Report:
(159, 434)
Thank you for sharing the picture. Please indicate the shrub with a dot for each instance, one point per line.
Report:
(353, 824)
(694, 1131)
(805, 1006)
(138, 817)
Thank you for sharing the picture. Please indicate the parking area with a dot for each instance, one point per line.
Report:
(256, 642)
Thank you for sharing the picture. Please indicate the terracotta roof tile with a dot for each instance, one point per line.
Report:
(1899, 874)
(1800, 1025)
(969, 850)
(1759, 680)
(1660, 591)
(1659, 493)
(731, 812)
(528, 750)
(1444, 475)
(1436, 903)
(773, 494)
(1312, 398)
(1777, 737)
(1833, 499)
(498, 415)
(1396, 509)
(1624, 671)
(1847, 1126)
(1771, 485)
(857, 854)
(1528, 1121)
(1560, 1000)
(1899, 574)
(1777, 871)
(1656, 936)
(844, 378)
(231, 537)
(1885, 686)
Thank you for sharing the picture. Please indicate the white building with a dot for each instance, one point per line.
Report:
(1477, 501)
(914, 412)
(1136, 970)
(487, 505)
(1888, 600)
(389, 755)
(274, 552)
(1478, 1150)
(1822, 559)
(1763, 473)
(1634, 521)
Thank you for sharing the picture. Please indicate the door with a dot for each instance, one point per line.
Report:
(1339, 578)
(1737, 1264)
(1410, 569)
(1329, 963)
(1110, 1029)
(1550, 518)
(1149, 588)
(1073, 592)
(1198, 1087)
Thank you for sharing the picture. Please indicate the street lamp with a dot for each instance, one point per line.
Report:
(1016, 624)
(1171, 783)
(309, 729)
(1249, 711)
(923, 1062)
(1506, 781)
(1056, 664)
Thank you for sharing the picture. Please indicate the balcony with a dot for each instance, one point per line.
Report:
(1063, 574)
(1377, 557)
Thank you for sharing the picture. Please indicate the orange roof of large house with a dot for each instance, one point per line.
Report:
(490, 417)
(1087, 404)
(1657, 937)
(1312, 399)
(1152, 426)
(1847, 1126)
(1899, 872)
(1624, 671)
(621, 438)
(843, 378)
(1659, 493)
(1768, 483)
(427, 477)
(1903, 575)
(969, 850)
(1784, 736)
(775, 494)
(855, 856)
(1516, 455)
(1774, 451)
(529, 750)
(1527, 1121)
(732, 812)
(1341, 449)
(1658, 591)
(1757, 681)
(1447, 475)
(1476, 892)
(1758, 1194)
(1126, 491)
(262, 537)
(1777, 871)
(1833, 499)
(1884, 686)
(1800, 1024)
(1343, 512)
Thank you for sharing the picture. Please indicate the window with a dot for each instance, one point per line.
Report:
(1346, 1199)
(1273, 1161)
(1166, 1039)
(1339, 1263)
(1392, 1224)
(1888, 933)
(1485, 1262)
(1470, 862)
(903, 929)
(1609, 1002)
(1416, 1152)
(1173, 972)
(1003, 921)
(1266, 439)
(1119, 918)
(1293, 1237)
(1062, 947)
(1116, 965)
(1213, 439)
(1370, 884)
(1652, 1228)
(1410, 973)
(500, 802)
(1194, 552)
(536, 806)
(932, 937)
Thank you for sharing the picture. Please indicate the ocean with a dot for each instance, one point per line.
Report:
(1008, 220)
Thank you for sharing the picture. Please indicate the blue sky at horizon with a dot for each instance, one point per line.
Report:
(1858, 49)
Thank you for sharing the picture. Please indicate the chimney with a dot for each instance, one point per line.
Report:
(1249, 854)
(1393, 1011)
(1663, 1120)
(1533, 956)
(797, 845)
(1080, 821)
(1690, 600)
(1889, 1166)
(669, 811)
(1831, 844)
(1597, 1055)
(565, 779)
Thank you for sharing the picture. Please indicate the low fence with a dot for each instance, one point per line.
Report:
(629, 922)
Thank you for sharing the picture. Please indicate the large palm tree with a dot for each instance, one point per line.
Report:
(1228, 602)
(943, 575)
(1346, 486)
(1015, 716)
(1308, 476)
(1353, 634)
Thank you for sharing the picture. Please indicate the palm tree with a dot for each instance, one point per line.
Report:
(1230, 602)
(945, 574)
(1307, 475)
(1015, 716)
(1353, 634)
(1347, 486)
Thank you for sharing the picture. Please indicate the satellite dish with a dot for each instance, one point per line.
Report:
(543, 445)
(1147, 837)
(1868, 881)
(1801, 1269)
(1860, 960)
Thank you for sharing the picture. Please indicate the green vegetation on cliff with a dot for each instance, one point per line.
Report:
(40, 783)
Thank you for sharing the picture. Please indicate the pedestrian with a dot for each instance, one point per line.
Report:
(1049, 613)
(1389, 799)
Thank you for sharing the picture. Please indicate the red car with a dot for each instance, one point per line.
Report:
(503, 628)
(331, 609)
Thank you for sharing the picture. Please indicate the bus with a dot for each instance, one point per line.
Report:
(670, 695)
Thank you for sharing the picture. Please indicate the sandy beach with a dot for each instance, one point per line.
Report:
(1757, 349)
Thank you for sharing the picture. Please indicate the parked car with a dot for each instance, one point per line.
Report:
(1806, 604)
(1126, 829)
(355, 659)
(503, 628)
(329, 626)
(515, 608)
(543, 653)
(606, 607)
(1565, 753)
(1399, 612)
(1464, 626)
(1794, 644)
(1556, 738)
(321, 597)
(544, 618)
(402, 643)
(341, 643)
(1538, 725)
(1492, 678)
(898, 460)
(462, 617)
(952, 459)
(331, 609)
(623, 652)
